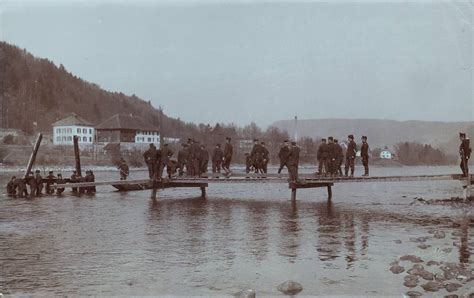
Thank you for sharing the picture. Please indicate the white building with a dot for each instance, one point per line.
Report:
(385, 154)
(73, 125)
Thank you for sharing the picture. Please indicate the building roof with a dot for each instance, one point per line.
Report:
(72, 119)
(125, 122)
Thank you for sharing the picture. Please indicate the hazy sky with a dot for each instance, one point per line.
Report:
(242, 61)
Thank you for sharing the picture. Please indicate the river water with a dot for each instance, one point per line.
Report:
(242, 236)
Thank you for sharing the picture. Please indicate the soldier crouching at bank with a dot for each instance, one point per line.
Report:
(60, 180)
(11, 191)
(49, 182)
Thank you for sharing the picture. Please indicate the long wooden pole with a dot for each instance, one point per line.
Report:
(32, 159)
(77, 155)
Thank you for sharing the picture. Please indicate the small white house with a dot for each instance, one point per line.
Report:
(385, 154)
(73, 125)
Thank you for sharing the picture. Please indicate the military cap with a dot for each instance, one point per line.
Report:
(364, 137)
(293, 143)
(263, 143)
(330, 138)
(227, 138)
(323, 140)
(50, 172)
(166, 145)
(255, 140)
(350, 136)
(462, 134)
(37, 171)
(74, 171)
(336, 140)
(60, 175)
(285, 141)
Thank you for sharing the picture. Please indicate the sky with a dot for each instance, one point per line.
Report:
(262, 61)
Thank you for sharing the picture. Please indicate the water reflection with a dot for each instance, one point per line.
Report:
(289, 231)
(329, 231)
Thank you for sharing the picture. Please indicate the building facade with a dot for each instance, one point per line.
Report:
(129, 131)
(73, 125)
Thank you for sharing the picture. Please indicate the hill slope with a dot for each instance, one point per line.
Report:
(381, 132)
(37, 91)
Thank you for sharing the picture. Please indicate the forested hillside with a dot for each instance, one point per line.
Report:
(35, 90)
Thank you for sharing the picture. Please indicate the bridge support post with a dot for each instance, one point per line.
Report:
(203, 192)
(293, 195)
(329, 192)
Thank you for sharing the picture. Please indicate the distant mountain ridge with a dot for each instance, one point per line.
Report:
(382, 133)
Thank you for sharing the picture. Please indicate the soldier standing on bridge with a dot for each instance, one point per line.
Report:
(339, 157)
(331, 156)
(364, 153)
(465, 153)
(166, 153)
(204, 159)
(283, 155)
(322, 157)
(228, 152)
(266, 157)
(150, 160)
(293, 161)
(350, 155)
(217, 156)
(182, 159)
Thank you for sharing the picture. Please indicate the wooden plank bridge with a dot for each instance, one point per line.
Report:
(305, 181)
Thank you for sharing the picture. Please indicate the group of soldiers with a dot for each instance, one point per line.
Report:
(330, 157)
(193, 156)
(18, 186)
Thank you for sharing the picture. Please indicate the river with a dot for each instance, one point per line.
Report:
(241, 236)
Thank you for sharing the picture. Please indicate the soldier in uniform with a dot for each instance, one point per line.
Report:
(248, 163)
(74, 179)
(331, 156)
(50, 181)
(11, 191)
(293, 161)
(364, 154)
(20, 184)
(150, 160)
(166, 153)
(196, 158)
(38, 183)
(30, 180)
(124, 170)
(266, 157)
(217, 157)
(323, 157)
(228, 152)
(189, 159)
(465, 153)
(60, 180)
(350, 155)
(257, 156)
(204, 159)
(182, 159)
(283, 155)
(339, 157)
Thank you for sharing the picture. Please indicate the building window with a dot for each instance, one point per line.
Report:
(78, 130)
(58, 139)
(149, 140)
(84, 139)
(69, 130)
(69, 138)
(64, 139)
(84, 131)
(90, 139)
(90, 131)
(58, 130)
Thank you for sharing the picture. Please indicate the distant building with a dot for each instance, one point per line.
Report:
(73, 125)
(385, 154)
(130, 131)
(10, 131)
